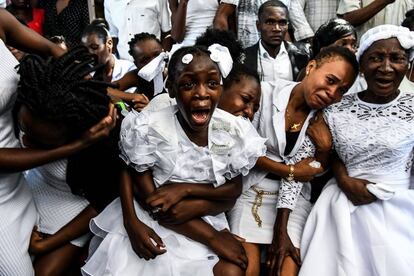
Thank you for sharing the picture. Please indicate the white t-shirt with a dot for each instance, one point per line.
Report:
(129, 17)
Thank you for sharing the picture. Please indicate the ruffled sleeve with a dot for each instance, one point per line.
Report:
(137, 149)
(235, 146)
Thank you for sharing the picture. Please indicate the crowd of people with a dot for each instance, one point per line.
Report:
(230, 137)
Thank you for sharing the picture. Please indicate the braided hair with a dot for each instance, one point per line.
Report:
(140, 38)
(59, 90)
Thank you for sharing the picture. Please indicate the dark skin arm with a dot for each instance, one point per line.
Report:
(354, 188)
(223, 14)
(21, 37)
(303, 172)
(168, 195)
(166, 41)
(20, 159)
(362, 15)
(178, 19)
(321, 136)
(74, 229)
(281, 244)
(223, 243)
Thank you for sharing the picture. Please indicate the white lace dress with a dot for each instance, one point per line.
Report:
(155, 141)
(375, 142)
(17, 210)
(251, 219)
(54, 200)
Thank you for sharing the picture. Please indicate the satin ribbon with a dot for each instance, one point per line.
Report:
(153, 72)
(221, 55)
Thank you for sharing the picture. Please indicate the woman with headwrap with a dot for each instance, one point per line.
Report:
(362, 222)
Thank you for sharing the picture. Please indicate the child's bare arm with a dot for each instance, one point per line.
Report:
(168, 195)
(72, 230)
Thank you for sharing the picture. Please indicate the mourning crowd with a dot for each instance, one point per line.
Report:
(207, 137)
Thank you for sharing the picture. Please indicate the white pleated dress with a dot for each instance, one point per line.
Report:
(155, 141)
(17, 210)
(294, 195)
(54, 200)
(375, 142)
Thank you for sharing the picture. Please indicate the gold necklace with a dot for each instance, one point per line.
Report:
(292, 125)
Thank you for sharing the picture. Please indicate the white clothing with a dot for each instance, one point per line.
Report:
(392, 14)
(243, 223)
(121, 67)
(270, 123)
(17, 210)
(155, 141)
(54, 200)
(406, 85)
(159, 102)
(375, 142)
(129, 17)
(271, 68)
(200, 16)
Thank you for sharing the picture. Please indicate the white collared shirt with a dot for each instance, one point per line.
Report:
(270, 68)
(129, 17)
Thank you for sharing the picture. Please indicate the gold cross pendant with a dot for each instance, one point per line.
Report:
(295, 126)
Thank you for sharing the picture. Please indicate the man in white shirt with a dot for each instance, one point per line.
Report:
(366, 14)
(272, 57)
(129, 17)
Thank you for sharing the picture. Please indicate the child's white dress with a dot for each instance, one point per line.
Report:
(155, 141)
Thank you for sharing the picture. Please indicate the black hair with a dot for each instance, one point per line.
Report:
(332, 52)
(272, 3)
(100, 28)
(178, 55)
(58, 90)
(330, 32)
(224, 38)
(237, 73)
(58, 39)
(140, 38)
(409, 20)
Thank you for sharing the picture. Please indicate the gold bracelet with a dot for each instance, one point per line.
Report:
(291, 175)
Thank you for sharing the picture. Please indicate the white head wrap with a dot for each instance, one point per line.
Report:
(404, 36)
(153, 71)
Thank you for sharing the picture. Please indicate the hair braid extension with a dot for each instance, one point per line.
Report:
(58, 91)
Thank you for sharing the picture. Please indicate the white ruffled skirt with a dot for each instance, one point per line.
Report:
(115, 256)
(243, 223)
(345, 240)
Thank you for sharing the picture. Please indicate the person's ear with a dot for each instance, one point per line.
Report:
(310, 67)
(110, 44)
(258, 25)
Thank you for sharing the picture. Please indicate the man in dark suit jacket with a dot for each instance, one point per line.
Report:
(272, 56)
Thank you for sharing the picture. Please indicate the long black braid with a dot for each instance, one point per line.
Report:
(59, 91)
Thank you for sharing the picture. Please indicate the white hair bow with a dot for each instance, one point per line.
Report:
(153, 71)
(221, 55)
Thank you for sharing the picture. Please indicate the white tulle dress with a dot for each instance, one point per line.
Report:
(17, 210)
(156, 141)
(375, 142)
